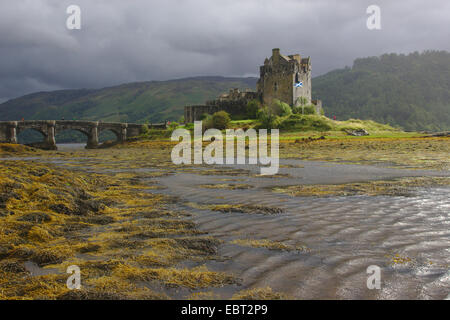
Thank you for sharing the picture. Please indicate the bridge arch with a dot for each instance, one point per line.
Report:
(30, 135)
(71, 135)
(62, 128)
(46, 128)
(118, 129)
(108, 134)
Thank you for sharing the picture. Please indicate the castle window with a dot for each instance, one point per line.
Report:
(275, 86)
(296, 78)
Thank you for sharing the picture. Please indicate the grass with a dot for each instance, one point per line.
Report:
(296, 126)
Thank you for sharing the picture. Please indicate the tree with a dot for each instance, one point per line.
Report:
(221, 120)
(280, 108)
(252, 109)
(268, 118)
(144, 129)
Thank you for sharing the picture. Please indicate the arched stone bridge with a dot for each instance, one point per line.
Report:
(48, 128)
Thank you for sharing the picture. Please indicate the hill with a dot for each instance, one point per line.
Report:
(411, 91)
(152, 101)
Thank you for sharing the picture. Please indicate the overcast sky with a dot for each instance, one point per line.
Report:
(137, 40)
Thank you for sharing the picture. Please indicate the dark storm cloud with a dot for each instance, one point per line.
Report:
(122, 41)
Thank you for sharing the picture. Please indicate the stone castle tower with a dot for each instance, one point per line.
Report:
(286, 78)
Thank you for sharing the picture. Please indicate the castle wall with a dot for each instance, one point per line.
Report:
(318, 105)
(305, 91)
(235, 103)
(194, 113)
(235, 108)
(277, 86)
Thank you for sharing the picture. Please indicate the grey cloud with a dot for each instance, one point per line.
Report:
(139, 40)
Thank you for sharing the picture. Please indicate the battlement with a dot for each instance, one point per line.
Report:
(285, 78)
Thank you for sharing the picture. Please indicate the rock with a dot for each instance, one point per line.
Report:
(441, 134)
(357, 132)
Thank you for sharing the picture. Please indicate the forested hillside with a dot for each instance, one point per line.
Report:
(411, 91)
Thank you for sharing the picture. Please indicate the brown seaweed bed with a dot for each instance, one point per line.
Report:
(118, 233)
(134, 237)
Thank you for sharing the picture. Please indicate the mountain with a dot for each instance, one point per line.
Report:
(411, 91)
(152, 101)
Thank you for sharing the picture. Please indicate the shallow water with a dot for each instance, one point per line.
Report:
(70, 146)
(345, 234)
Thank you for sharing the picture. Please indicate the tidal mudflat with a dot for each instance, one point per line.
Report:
(140, 227)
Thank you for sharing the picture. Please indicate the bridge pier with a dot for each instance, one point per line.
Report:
(50, 142)
(123, 133)
(92, 142)
(11, 132)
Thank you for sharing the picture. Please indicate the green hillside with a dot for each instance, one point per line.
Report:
(411, 91)
(152, 101)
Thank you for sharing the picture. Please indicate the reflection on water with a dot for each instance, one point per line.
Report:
(70, 146)
(345, 235)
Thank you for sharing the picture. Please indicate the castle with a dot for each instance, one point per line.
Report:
(285, 78)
